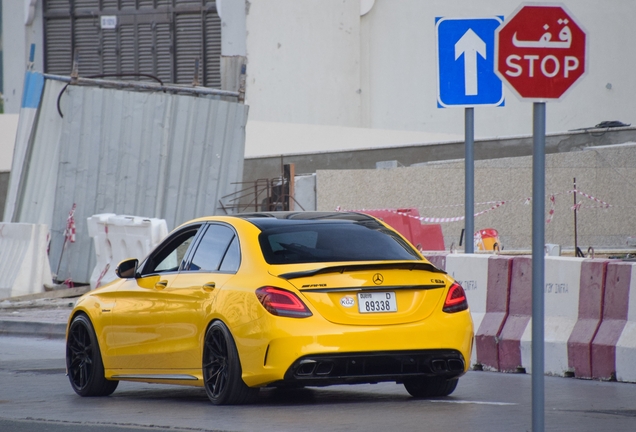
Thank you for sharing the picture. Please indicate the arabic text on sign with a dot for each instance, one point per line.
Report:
(545, 41)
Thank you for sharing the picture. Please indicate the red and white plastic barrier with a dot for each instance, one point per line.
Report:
(117, 238)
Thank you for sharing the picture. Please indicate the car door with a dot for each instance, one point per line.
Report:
(190, 297)
(137, 332)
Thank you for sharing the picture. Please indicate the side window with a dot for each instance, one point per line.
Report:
(212, 248)
(168, 256)
(232, 258)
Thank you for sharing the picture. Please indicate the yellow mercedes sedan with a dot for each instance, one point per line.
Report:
(289, 299)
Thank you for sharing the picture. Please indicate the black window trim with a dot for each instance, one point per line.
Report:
(197, 225)
(195, 245)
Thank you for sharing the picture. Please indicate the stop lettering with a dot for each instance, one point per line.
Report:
(540, 51)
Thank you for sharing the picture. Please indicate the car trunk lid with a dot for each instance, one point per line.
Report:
(371, 293)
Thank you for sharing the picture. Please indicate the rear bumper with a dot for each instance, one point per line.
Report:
(357, 368)
(283, 350)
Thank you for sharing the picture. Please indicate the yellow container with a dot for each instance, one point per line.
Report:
(487, 239)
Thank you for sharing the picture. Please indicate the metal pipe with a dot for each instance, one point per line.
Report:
(538, 267)
(143, 86)
(469, 178)
(576, 240)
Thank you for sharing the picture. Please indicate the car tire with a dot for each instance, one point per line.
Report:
(222, 369)
(84, 360)
(423, 387)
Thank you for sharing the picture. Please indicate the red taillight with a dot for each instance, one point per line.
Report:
(455, 299)
(282, 303)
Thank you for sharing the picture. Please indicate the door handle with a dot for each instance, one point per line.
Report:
(161, 284)
(209, 287)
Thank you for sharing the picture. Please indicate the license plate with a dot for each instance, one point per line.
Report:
(377, 302)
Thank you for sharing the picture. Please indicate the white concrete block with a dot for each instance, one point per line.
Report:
(471, 271)
(561, 290)
(626, 345)
(24, 264)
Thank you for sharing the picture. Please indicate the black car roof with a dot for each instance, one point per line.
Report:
(265, 220)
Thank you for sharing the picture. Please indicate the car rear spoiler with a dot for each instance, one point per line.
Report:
(363, 267)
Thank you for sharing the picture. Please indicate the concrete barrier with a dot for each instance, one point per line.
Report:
(488, 333)
(24, 264)
(471, 271)
(117, 238)
(561, 291)
(438, 260)
(519, 314)
(615, 308)
(592, 289)
(626, 346)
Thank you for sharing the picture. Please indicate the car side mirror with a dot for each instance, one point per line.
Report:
(127, 269)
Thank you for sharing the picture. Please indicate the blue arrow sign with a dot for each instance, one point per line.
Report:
(466, 62)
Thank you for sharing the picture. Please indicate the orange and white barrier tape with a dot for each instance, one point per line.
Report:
(497, 204)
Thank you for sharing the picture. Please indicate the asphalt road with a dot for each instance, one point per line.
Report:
(35, 396)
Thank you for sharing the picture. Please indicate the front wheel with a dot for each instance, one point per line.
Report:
(84, 360)
(430, 386)
(222, 369)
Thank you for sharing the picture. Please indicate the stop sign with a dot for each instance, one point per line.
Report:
(540, 51)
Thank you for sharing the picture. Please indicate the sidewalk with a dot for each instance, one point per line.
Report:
(44, 317)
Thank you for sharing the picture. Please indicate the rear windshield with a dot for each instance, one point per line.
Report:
(328, 242)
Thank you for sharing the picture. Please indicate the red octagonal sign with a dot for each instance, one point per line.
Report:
(540, 51)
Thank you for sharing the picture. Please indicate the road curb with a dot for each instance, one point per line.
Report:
(30, 328)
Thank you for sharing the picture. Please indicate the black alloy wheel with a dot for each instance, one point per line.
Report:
(430, 386)
(84, 360)
(222, 368)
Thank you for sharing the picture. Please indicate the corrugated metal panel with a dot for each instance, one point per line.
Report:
(37, 192)
(139, 153)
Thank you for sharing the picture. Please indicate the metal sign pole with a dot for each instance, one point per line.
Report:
(469, 179)
(538, 267)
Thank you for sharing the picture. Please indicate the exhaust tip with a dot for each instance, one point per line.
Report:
(455, 365)
(439, 365)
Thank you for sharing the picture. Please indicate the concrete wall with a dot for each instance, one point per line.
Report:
(326, 62)
(304, 61)
(321, 62)
(17, 36)
(366, 158)
(437, 190)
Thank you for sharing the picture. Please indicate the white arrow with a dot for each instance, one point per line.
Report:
(470, 44)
